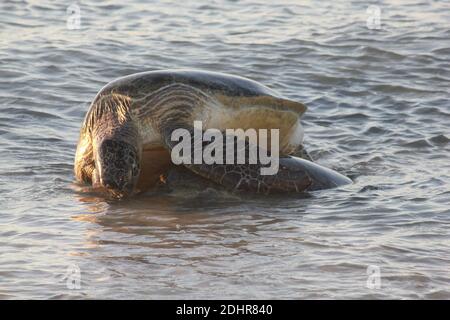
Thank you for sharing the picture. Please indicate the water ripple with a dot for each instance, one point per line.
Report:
(377, 111)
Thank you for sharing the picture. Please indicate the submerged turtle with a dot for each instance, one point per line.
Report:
(125, 140)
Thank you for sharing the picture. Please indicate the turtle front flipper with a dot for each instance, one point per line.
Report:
(291, 174)
(175, 107)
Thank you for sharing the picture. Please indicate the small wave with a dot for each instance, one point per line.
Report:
(31, 113)
(399, 89)
(443, 51)
(369, 188)
(417, 144)
(427, 110)
(375, 130)
(368, 52)
(356, 116)
(439, 140)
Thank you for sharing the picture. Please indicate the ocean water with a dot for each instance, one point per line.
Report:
(379, 112)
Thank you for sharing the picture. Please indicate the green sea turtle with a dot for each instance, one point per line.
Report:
(125, 140)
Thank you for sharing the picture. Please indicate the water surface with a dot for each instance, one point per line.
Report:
(378, 112)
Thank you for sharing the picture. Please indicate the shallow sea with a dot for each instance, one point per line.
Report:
(379, 112)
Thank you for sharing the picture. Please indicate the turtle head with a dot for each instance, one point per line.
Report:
(117, 166)
(117, 149)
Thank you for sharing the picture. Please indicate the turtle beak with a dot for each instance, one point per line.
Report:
(117, 191)
(108, 186)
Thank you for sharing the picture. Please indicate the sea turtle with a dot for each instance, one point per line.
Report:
(125, 140)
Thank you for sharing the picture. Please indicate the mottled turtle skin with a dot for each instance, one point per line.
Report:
(125, 144)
